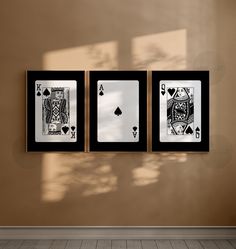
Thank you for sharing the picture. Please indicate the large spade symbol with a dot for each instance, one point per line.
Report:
(189, 130)
(46, 92)
(118, 111)
(65, 129)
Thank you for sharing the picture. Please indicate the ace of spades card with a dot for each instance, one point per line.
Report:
(180, 111)
(117, 111)
(55, 111)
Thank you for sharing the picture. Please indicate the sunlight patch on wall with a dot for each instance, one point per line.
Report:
(94, 56)
(54, 178)
(161, 51)
(148, 173)
(178, 157)
(100, 181)
(75, 172)
(65, 175)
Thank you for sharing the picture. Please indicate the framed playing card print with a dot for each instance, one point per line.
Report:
(118, 110)
(55, 110)
(180, 111)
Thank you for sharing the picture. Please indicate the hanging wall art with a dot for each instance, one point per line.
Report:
(55, 110)
(118, 110)
(180, 111)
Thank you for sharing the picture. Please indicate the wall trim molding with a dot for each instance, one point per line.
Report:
(117, 232)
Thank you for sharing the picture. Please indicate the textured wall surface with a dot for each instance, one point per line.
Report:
(111, 188)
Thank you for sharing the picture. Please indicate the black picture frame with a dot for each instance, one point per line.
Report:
(32, 76)
(141, 145)
(157, 145)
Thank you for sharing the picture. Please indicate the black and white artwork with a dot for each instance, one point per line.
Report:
(180, 110)
(56, 111)
(58, 114)
(118, 110)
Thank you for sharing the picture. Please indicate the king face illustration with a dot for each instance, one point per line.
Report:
(55, 111)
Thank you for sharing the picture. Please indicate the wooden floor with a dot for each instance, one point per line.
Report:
(117, 244)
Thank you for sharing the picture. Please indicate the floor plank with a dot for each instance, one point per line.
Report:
(178, 244)
(89, 244)
(224, 244)
(13, 244)
(193, 244)
(104, 244)
(208, 244)
(233, 242)
(134, 244)
(3, 243)
(59, 244)
(28, 244)
(163, 244)
(149, 244)
(74, 244)
(118, 244)
(26, 247)
(43, 244)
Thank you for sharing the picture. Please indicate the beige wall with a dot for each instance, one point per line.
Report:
(110, 188)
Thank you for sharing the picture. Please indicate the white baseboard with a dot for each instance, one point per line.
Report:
(118, 232)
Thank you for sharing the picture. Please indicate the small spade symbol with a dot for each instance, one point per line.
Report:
(118, 111)
(197, 132)
(46, 92)
(38, 94)
(135, 131)
(101, 93)
(72, 128)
